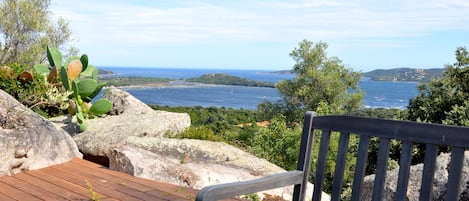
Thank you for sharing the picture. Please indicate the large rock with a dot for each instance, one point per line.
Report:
(134, 119)
(415, 180)
(28, 141)
(193, 163)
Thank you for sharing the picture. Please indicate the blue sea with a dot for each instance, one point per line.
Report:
(378, 94)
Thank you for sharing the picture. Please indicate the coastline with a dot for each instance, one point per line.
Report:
(174, 83)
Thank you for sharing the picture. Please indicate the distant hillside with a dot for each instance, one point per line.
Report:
(104, 72)
(405, 74)
(225, 79)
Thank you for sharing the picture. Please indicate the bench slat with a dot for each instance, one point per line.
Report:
(228, 190)
(360, 167)
(381, 167)
(340, 167)
(304, 156)
(429, 165)
(400, 130)
(455, 170)
(321, 164)
(404, 170)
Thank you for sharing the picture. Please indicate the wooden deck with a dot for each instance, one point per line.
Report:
(78, 179)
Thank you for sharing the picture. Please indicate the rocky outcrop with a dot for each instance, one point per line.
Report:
(28, 141)
(415, 180)
(134, 119)
(193, 163)
(133, 141)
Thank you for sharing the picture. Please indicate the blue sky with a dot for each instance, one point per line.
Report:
(256, 34)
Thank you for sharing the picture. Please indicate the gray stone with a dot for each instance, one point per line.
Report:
(124, 103)
(193, 163)
(28, 141)
(415, 180)
(134, 119)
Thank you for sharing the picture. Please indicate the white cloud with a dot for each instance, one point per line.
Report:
(139, 24)
(261, 21)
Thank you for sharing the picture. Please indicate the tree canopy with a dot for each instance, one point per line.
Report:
(26, 29)
(445, 100)
(322, 83)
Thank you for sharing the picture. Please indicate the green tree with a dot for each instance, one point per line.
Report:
(445, 100)
(26, 29)
(322, 84)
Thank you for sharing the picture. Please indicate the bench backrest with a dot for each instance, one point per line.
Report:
(407, 133)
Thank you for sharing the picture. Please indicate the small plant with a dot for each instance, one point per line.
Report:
(81, 80)
(251, 197)
(94, 195)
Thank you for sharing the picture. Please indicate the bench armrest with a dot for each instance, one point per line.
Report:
(229, 190)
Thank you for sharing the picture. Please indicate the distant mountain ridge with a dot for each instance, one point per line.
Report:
(405, 74)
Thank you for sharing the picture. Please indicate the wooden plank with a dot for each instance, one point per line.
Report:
(100, 171)
(400, 130)
(15, 193)
(360, 167)
(50, 187)
(321, 164)
(340, 167)
(304, 156)
(404, 170)
(172, 189)
(429, 165)
(100, 186)
(4, 197)
(55, 179)
(381, 167)
(67, 181)
(31, 189)
(455, 171)
(167, 196)
(118, 184)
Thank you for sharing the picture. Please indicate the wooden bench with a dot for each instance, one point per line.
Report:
(407, 133)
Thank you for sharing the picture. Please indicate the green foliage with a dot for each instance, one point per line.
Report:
(93, 194)
(234, 126)
(321, 82)
(382, 113)
(41, 96)
(444, 100)
(252, 197)
(26, 29)
(80, 80)
(198, 132)
(278, 143)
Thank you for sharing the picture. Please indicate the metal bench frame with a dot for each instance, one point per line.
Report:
(408, 133)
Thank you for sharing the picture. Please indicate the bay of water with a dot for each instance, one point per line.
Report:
(377, 93)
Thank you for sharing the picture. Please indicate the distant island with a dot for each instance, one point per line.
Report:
(215, 78)
(104, 72)
(405, 74)
(225, 79)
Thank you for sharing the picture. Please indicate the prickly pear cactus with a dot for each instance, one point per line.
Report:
(81, 79)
